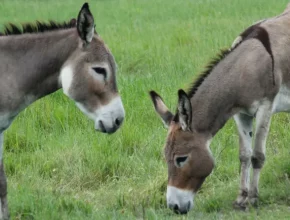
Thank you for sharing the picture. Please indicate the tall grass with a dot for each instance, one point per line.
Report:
(58, 167)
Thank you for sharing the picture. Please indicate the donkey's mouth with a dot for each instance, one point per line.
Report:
(181, 211)
(102, 127)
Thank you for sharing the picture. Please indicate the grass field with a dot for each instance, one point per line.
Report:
(58, 167)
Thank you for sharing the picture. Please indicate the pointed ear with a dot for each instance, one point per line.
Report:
(184, 111)
(161, 109)
(85, 24)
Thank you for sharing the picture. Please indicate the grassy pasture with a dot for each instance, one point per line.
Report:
(58, 167)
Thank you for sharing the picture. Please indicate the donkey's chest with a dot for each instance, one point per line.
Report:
(10, 108)
(5, 121)
(282, 100)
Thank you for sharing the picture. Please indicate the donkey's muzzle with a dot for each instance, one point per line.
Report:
(179, 200)
(110, 117)
(180, 210)
(110, 129)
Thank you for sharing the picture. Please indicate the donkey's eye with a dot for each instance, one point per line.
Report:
(101, 71)
(180, 161)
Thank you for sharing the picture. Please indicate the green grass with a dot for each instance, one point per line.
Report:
(58, 167)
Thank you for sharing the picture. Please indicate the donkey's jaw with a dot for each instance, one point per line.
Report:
(179, 200)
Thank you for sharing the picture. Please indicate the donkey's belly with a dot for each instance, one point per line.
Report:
(282, 100)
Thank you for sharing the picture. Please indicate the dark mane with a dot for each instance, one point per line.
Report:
(37, 27)
(215, 61)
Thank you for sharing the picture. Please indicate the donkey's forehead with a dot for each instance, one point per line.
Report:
(100, 53)
(178, 141)
(183, 142)
(100, 44)
(175, 133)
(174, 127)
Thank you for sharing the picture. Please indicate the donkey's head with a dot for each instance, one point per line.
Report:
(186, 151)
(89, 77)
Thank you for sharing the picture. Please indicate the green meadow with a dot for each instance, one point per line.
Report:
(59, 167)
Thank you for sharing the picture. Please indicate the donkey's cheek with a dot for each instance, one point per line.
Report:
(197, 184)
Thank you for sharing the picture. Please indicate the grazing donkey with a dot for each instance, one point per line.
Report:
(250, 80)
(37, 60)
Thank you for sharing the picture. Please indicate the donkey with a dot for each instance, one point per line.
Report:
(250, 80)
(39, 59)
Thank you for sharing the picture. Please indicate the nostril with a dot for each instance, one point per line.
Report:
(118, 121)
(175, 208)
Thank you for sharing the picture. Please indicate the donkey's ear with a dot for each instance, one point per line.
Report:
(161, 108)
(184, 110)
(85, 24)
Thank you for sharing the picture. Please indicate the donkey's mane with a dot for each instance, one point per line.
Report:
(37, 27)
(210, 66)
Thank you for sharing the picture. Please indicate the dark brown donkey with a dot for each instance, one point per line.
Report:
(250, 80)
(39, 59)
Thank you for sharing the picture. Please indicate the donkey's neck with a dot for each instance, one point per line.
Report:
(214, 102)
(34, 61)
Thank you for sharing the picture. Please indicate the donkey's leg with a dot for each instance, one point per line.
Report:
(4, 213)
(263, 121)
(244, 124)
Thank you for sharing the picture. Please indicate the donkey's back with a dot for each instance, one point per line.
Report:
(278, 29)
(263, 57)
